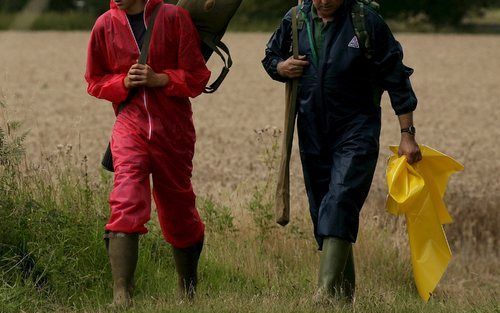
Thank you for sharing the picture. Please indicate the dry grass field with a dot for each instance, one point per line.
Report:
(456, 80)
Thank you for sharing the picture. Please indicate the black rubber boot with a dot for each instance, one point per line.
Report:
(334, 257)
(186, 264)
(123, 254)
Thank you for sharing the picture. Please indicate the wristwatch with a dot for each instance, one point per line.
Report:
(410, 130)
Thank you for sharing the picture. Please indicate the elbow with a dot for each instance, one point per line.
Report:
(200, 84)
(409, 106)
(91, 90)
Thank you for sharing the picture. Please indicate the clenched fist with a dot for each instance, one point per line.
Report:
(409, 148)
(292, 68)
(141, 75)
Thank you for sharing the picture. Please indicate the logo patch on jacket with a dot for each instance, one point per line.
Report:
(354, 43)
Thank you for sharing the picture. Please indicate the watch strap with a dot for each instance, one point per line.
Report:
(411, 130)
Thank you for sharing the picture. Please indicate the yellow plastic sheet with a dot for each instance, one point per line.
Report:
(417, 191)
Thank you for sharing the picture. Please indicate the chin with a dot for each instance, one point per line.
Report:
(327, 14)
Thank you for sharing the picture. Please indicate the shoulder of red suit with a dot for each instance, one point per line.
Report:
(168, 10)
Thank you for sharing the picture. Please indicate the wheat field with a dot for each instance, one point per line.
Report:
(456, 80)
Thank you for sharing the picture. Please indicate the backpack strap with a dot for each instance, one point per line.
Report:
(359, 9)
(217, 47)
(107, 159)
(372, 4)
(302, 18)
(143, 57)
(358, 19)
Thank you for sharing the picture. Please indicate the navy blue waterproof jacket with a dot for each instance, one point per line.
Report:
(344, 89)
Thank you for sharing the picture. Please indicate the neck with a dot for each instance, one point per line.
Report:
(326, 19)
(136, 8)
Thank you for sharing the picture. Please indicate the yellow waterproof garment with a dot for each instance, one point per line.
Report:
(417, 191)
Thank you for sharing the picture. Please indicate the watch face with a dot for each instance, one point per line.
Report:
(410, 130)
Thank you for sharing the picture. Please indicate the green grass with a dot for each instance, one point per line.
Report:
(52, 256)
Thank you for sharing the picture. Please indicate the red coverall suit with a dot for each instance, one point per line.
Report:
(154, 133)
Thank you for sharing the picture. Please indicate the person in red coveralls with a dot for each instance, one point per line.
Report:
(153, 134)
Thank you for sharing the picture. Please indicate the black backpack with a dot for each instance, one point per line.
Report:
(358, 19)
(211, 18)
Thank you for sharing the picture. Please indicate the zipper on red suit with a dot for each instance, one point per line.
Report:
(143, 88)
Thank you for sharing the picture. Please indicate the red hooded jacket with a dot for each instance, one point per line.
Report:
(174, 50)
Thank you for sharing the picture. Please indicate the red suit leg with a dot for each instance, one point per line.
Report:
(130, 200)
(171, 164)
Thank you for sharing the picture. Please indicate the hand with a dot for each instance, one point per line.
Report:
(409, 148)
(292, 68)
(141, 75)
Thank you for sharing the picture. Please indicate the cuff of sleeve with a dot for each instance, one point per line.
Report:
(115, 90)
(274, 66)
(122, 91)
(273, 69)
(177, 85)
(403, 102)
(173, 76)
(406, 109)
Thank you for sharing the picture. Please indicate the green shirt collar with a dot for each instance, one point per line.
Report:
(314, 13)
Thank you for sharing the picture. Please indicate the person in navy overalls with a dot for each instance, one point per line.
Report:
(339, 121)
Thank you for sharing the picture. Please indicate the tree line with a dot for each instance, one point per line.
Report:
(439, 13)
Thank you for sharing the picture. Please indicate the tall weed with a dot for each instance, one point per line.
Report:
(262, 201)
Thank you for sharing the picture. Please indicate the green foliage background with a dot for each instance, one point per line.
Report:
(268, 12)
(439, 13)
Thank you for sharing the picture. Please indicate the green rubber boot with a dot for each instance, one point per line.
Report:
(186, 264)
(333, 261)
(349, 278)
(123, 254)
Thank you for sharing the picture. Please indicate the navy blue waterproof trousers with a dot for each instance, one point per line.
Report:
(338, 180)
